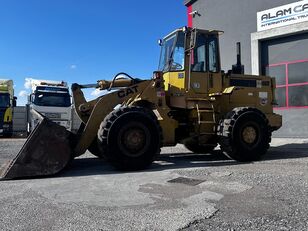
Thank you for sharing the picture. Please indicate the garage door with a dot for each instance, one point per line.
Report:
(287, 60)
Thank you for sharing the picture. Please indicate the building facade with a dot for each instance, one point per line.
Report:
(274, 39)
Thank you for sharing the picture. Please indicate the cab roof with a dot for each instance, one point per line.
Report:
(203, 31)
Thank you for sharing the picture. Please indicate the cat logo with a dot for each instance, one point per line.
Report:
(127, 91)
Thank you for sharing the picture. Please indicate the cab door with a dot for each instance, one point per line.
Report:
(215, 77)
(205, 75)
(198, 79)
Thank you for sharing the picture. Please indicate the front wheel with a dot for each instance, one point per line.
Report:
(94, 149)
(244, 134)
(130, 138)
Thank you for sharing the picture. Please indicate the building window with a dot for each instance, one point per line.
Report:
(292, 83)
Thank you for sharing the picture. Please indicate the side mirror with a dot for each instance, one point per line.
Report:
(160, 42)
(14, 101)
(30, 98)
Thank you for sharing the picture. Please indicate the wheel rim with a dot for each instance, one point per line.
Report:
(134, 139)
(249, 135)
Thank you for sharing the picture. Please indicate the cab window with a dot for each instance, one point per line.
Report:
(213, 54)
(179, 54)
(198, 60)
(205, 54)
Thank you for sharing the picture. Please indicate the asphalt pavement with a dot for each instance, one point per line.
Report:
(181, 191)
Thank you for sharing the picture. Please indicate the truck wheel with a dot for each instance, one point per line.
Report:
(244, 134)
(130, 138)
(193, 145)
(8, 135)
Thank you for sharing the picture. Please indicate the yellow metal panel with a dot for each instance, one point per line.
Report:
(4, 88)
(8, 115)
(175, 79)
(166, 79)
(228, 90)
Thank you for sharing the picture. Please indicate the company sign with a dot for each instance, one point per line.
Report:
(283, 15)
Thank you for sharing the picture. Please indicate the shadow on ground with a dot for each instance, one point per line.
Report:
(166, 161)
(287, 151)
(95, 166)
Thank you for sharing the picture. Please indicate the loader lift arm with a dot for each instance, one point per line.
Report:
(92, 113)
(84, 108)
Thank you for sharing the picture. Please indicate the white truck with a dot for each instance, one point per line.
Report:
(52, 99)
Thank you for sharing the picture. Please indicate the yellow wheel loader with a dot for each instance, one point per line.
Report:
(189, 100)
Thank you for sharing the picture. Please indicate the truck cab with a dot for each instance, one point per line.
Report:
(7, 102)
(52, 99)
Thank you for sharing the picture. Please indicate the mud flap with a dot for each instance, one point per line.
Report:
(47, 151)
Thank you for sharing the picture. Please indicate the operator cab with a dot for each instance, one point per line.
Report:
(190, 63)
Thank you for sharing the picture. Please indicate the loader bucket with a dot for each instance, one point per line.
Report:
(46, 152)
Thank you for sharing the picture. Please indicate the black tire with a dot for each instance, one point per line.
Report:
(244, 134)
(193, 145)
(130, 138)
(8, 135)
(95, 150)
(9, 132)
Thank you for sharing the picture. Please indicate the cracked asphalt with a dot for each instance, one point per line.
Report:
(181, 191)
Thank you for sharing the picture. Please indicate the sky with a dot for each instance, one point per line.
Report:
(82, 41)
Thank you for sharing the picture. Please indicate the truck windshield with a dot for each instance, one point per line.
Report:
(4, 100)
(51, 99)
(172, 53)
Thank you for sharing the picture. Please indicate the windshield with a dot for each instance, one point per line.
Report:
(52, 99)
(4, 100)
(172, 53)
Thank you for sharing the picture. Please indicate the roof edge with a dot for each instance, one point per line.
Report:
(189, 2)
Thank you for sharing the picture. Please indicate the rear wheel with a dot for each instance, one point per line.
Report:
(244, 134)
(130, 138)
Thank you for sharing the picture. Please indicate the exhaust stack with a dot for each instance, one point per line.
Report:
(238, 68)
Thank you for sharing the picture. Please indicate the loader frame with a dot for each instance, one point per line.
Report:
(189, 100)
